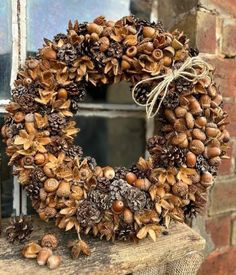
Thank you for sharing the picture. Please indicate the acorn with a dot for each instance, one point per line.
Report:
(19, 117)
(170, 115)
(125, 65)
(131, 51)
(212, 130)
(62, 93)
(51, 185)
(104, 43)
(212, 92)
(189, 120)
(130, 177)
(211, 152)
(169, 51)
(180, 125)
(191, 159)
(198, 134)
(128, 216)
(195, 107)
(48, 53)
(206, 179)
(131, 40)
(93, 27)
(215, 161)
(54, 261)
(98, 172)
(29, 124)
(180, 112)
(166, 61)
(195, 177)
(197, 147)
(176, 44)
(27, 81)
(40, 159)
(200, 122)
(179, 138)
(180, 188)
(142, 184)
(205, 101)
(118, 206)
(226, 136)
(109, 172)
(30, 250)
(148, 32)
(63, 189)
(49, 241)
(48, 171)
(157, 54)
(218, 99)
(43, 255)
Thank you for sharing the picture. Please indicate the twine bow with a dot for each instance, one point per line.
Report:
(187, 71)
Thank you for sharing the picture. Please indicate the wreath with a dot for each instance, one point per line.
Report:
(166, 76)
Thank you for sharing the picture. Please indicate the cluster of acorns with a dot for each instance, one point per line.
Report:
(119, 203)
(43, 252)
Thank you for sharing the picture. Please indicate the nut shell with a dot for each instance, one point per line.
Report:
(43, 255)
(54, 261)
(197, 147)
(51, 185)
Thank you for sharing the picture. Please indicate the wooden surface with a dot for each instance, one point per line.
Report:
(107, 258)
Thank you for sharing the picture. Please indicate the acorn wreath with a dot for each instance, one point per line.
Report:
(166, 76)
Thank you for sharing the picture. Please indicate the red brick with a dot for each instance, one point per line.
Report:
(225, 75)
(206, 32)
(222, 196)
(227, 165)
(230, 108)
(228, 6)
(219, 229)
(229, 38)
(219, 263)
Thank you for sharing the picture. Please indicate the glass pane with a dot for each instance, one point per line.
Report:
(6, 180)
(5, 48)
(48, 17)
(108, 139)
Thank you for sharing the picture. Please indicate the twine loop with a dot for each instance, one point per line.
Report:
(188, 71)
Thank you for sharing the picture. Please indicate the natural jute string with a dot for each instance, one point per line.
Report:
(187, 71)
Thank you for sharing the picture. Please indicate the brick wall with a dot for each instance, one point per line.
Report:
(211, 26)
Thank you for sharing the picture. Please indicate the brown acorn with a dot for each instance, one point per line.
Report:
(98, 172)
(131, 51)
(27, 81)
(43, 255)
(205, 101)
(128, 216)
(179, 138)
(195, 107)
(215, 161)
(40, 159)
(62, 93)
(198, 134)
(54, 261)
(166, 61)
(48, 171)
(197, 147)
(109, 172)
(30, 250)
(92, 27)
(104, 43)
(148, 32)
(206, 179)
(63, 189)
(157, 54)
(211, 152)
(131, 177)
(212, 130)
(19, 117)
(180, 125)
(142, 184)
(49, 241)
(170, 115)
(200, 122)
(118, 206)
(191, 159)
(189, 120)
(180, 112)
(51, 185)
(48, 53)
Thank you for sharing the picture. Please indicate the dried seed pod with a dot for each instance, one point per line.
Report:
(200, 122)
(19, 117)
(211, 152)
(131, 51)
(40, 159)
(128, 216)
(48, 53)
(43, 255)
(131, 177)
(63, 189)
(180, 112)
(109, 172)
(104, 43)
(206, 179)
(197, 147)
(148, 32)
(51, 185)
(191, 159)
(48, 171)
(198, 134)
(49, 241)
(157, 54)
(189, 120)
(180, 188)
(54, 261)
(94, 28)
(118, 206)
(62, 93)
(30, 250)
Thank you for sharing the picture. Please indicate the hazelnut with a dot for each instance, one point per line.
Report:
(48, 53)
(54, 261)
(179, 138)
(142, 184)
(92, 27)
(180, 188)
(131, 177)
(118, 206)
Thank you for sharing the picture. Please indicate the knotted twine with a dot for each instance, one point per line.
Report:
(187, 71)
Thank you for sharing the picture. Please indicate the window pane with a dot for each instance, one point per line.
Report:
(109, 139)
(6, 180)
(48, 17)
(5, 48)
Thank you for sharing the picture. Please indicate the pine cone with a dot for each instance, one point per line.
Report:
(119, 189)
(67, 53)
(59, 36)
(191, 210)
(88, 214)
(91, 162)
(171, 101)
(77, 89)
(100, 199)
(154, 142)
(82, 29)
(20, 229)
(120, 173)
(56, 123)
(169, 156)
(38, 175)
(203, 166)
(193, 52)
(84, 48)
(74, 151)
(182, 85)
(136, 199)
(25, 98)
(14, 129)
(141, 92)
(33, 190)
(103, 184)
(125, 232)
(57, 145)
(19, 91)
(139, 173)
(115, 50)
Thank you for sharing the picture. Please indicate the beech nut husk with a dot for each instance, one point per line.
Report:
(49, 241)
(31, 250)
